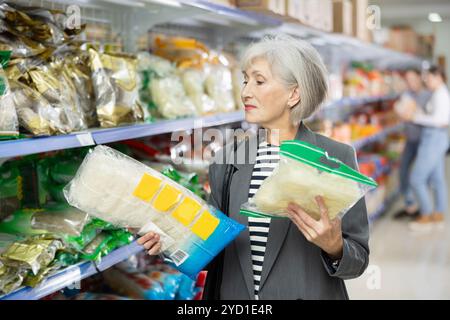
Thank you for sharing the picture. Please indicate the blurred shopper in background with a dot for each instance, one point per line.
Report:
(429, 167)
(418, 93)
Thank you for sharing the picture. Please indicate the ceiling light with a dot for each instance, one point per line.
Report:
(434, 17)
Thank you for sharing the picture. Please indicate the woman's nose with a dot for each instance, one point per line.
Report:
(246, 93)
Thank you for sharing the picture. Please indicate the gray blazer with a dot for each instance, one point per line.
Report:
(293, 267)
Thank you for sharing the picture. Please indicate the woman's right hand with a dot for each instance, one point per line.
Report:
(151, 242)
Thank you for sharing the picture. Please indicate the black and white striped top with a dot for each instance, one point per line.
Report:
(266, 160)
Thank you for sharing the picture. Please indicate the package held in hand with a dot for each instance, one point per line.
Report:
(303, 173)
(122, 191)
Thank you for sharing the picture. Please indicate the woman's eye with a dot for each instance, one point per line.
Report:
(245, 83)
(259, 82)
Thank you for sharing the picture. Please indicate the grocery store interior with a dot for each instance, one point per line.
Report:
(103, 82)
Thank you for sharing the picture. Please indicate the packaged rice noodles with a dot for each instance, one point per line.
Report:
(219, 87)
(162, 88)
(113, 187)
(194, 84)
(9, 126)
(169, 96)
(303, 173)
(116, 88)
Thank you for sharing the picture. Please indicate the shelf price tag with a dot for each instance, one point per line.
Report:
(85, 139)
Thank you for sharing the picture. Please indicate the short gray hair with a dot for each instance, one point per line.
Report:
(297, 63)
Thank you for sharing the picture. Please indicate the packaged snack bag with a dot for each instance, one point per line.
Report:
(304, 172)
(120, 190)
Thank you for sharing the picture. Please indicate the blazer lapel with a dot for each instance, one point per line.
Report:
(279, 226)
(240, 185)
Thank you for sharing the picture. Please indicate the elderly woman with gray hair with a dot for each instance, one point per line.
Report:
(295, 258)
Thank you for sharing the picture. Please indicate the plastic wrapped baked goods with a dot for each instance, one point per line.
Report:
(219, 87)
(120, 190)
(304, 172)
(9, 125)
(194, 84)
(116, 88)
(170, 98)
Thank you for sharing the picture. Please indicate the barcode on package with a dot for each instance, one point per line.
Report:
(178, 257)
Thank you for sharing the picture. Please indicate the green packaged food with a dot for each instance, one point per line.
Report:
(19, 223)
(66, 258)
(33, 254)
(10, 188)
(93, 251)
(90, 231)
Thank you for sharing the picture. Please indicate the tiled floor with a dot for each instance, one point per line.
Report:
(405, 265)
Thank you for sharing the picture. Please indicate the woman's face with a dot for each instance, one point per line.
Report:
(264, 96)
(433, 81)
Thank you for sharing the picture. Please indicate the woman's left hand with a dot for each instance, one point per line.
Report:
(325, 233)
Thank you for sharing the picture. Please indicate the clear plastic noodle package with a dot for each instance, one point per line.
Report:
(304, 172)
(124, 192)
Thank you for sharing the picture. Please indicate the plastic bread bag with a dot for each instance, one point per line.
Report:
(115, 82)
(219, 87)
(9, 126)
(304, 172)
(124, 192)
(194, 84)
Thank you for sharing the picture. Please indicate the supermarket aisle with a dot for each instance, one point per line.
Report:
(411, 266)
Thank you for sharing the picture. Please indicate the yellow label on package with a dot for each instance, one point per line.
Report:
(186, 211)
(205, 225)
(167, 198)
(147, 187)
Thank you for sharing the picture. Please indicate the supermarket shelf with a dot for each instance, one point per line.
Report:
(14, 148)
(358, 144)
(165, 126)
(21, 147)
(341, 109)
(72, 274)
(358, 101)
(383, 207)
